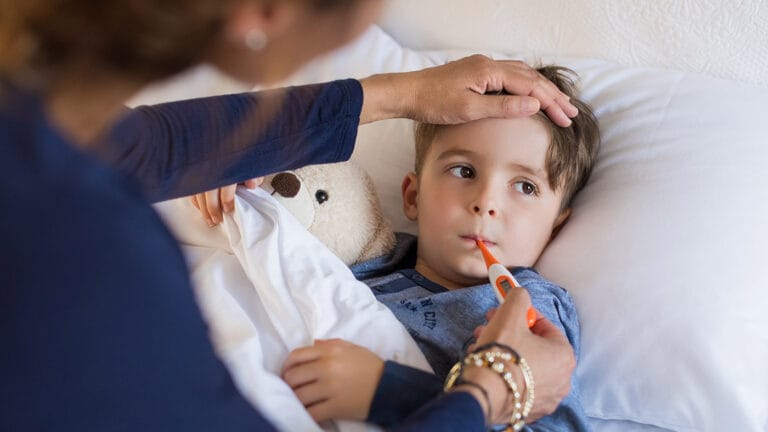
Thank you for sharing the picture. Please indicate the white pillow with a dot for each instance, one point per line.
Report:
(663, 251)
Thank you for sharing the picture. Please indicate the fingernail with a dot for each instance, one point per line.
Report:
(529, 105)
(210, 224)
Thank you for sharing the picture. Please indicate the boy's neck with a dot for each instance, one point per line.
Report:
(445, 282)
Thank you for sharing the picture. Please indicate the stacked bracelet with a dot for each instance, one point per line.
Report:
(497, 361)
(529, 388)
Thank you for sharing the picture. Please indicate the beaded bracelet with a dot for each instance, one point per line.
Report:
(529, 386)
(496, 361)
(524, 368)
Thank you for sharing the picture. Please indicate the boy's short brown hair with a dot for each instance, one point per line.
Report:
(572, 150)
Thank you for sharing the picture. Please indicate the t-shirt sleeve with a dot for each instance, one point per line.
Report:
(557, 306)
(184, 147)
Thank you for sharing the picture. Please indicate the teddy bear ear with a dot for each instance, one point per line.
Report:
(287, 188)
(286, 184)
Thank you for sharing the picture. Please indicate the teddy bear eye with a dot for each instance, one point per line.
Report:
(321, 196)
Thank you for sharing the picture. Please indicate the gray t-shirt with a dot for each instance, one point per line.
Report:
(442, 321)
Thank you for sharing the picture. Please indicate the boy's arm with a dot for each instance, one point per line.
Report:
(402, 390)
(336, 379)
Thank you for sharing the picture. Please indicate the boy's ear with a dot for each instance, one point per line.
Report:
(559, 222)
(410, 191)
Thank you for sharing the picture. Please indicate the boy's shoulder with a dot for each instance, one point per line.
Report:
(532, 279)
(402, 256)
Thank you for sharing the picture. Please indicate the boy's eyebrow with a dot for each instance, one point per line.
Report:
(541, 173)
(455, 152)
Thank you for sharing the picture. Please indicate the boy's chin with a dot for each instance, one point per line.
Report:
(474, 278)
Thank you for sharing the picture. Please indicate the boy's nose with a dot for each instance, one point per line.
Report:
(481, 210)
(485, 203)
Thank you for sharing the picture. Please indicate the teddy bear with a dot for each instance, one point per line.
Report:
(338, 204)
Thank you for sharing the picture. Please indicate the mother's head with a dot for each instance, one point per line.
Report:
(256, 41)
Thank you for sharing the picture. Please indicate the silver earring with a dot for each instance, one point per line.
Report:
(255, 39)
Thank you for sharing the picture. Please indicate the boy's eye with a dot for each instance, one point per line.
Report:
(463, 171)
(526, 188)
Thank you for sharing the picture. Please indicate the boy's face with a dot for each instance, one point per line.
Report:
(484, 179)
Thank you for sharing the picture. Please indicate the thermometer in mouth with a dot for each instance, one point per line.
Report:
(502, 280)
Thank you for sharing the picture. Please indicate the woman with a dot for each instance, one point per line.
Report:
(100, 330)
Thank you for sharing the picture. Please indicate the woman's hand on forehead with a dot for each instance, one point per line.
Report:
(456, 93)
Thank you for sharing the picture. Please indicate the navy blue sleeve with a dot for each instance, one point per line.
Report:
(181, 148)
(391, 404)
(457, 411)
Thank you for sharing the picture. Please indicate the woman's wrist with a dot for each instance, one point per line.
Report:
(500, 380)
(497, 396)
(386, 96)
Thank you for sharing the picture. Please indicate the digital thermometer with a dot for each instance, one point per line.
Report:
(502, 280)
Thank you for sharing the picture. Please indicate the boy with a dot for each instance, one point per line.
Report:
(505, 182)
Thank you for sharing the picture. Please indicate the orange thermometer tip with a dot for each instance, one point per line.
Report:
(489, 259)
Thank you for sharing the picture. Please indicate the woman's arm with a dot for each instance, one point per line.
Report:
(181, 148)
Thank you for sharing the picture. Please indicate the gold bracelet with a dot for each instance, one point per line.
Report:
(496, 361)
(529, 386)
(490, 359)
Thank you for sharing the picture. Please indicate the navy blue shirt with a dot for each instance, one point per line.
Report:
(99, 329)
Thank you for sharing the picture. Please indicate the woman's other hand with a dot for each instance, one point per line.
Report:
(214, 203)
(544, 347)
(456, 93)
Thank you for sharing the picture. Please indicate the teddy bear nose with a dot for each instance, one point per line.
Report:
(286, 184)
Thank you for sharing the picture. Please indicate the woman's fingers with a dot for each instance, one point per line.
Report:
(529, 91)
(509, 320)
(544, 346)
(254, 183)
(214, 203)
(546, 329)
(556, 104)
(213, 206)
(200, 202)
(227, 198)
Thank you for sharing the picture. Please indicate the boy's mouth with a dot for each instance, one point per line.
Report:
(474, 238)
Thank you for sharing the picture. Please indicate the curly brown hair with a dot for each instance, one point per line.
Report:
(143, 39)
(572, 150)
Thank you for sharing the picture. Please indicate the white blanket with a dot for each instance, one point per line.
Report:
(266, 286)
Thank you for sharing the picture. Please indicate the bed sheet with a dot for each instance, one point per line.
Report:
(266, 286)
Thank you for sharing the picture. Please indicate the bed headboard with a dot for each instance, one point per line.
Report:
(719, 38)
